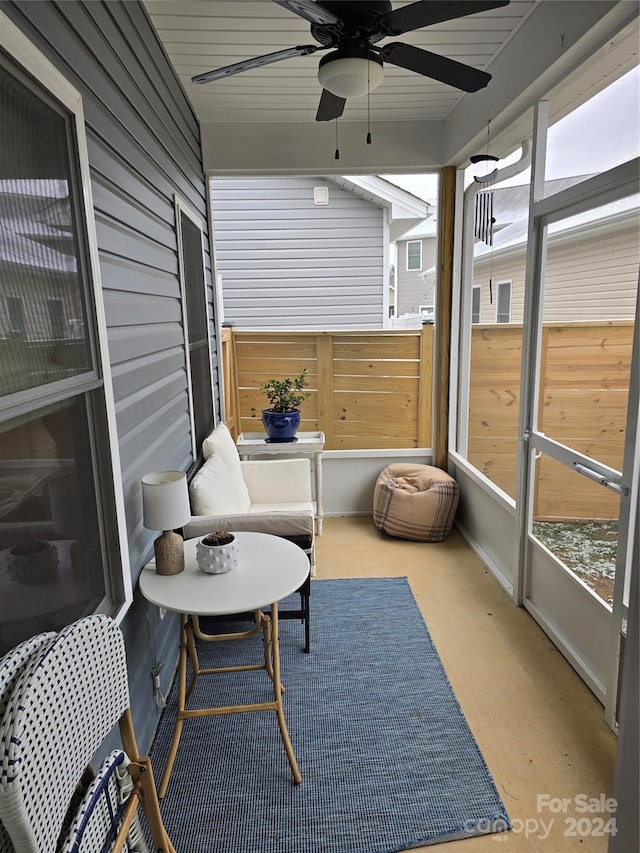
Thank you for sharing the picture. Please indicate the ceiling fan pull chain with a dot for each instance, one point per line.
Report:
(337, 154)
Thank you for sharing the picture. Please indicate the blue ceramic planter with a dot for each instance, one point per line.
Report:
(281, 426)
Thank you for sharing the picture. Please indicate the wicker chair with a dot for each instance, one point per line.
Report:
(11, 667)
(68, 696)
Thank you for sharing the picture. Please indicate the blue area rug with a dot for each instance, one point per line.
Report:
(387, 759)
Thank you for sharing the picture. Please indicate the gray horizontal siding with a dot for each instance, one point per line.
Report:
(287, 263)
(412, 292)
(143, 144)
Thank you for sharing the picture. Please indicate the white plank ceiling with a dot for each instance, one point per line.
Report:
(199, 35)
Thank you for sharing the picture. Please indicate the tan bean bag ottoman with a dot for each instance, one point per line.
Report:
(415, 502)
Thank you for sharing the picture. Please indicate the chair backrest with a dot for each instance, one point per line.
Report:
(11, 667)
(67, 698)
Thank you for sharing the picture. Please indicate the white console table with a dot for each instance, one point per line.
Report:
(307, 444)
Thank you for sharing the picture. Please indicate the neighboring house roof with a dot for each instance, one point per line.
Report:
(514, 237)
(514, 201)
(405, 209)
(511, 204)
(35, 229)
(427, 228)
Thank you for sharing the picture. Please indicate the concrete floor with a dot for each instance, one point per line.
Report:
(539, 727)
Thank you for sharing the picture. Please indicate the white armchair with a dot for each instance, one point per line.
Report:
(270, 496)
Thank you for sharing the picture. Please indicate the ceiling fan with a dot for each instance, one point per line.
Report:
(351, 29)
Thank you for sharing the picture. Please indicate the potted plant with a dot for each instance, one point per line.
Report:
(33, 562)
(282, 419)
(217, 552)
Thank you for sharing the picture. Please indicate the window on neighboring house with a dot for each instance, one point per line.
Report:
(60, 520)
(195, 309)
(475, 304)
(414, 255)
(55, 309)
(503, 306)
(15, 314)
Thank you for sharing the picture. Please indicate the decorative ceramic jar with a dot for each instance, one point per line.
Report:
(217, 554)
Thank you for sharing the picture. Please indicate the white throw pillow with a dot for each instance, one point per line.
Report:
(216, 491)
(220, 441)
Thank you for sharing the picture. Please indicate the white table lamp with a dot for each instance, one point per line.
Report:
(165, 505)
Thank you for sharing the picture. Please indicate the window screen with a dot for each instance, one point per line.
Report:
(197, 327)
(58, 557)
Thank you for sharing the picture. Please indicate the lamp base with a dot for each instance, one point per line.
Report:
(169, 551)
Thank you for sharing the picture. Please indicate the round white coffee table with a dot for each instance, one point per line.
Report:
(270, 569)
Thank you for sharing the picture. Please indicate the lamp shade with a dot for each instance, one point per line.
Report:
(165, 500)
(350, 76)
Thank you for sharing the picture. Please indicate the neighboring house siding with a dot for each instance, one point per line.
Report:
(412, 291)
(287, 263)
(143, 143)
(507, 269)
(592, 277)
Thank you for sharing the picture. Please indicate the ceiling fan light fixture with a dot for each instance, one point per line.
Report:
(350, 76)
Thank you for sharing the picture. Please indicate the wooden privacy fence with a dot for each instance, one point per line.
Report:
(368, 389)
(373, 390)
(584, 386)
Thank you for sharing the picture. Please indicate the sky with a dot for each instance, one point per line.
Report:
(600, 134)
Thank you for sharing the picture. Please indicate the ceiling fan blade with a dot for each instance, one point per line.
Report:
(310, 11)
(427, 12)
(256, 62)
(435, 66)
(331, 106)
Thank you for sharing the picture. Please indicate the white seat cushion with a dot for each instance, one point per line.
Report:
(290, 523)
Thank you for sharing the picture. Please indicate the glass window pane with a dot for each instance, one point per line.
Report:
(475, 305)
(198, 328)
(503, 313)
(42, 318)
(194, 280)
(488, 413)
(202, 400)
(50, 543)
(598, 135)
(414, 255)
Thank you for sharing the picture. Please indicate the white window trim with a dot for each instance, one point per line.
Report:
(499, 285)
(18, 46)
(183, 209)
(410, 242)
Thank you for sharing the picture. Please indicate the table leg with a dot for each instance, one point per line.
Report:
(272, 665)
(277, 694)
(266, 643)
(177, 731)
(193, 655)
(319, 508)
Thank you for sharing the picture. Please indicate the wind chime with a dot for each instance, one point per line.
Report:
(484, 218)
